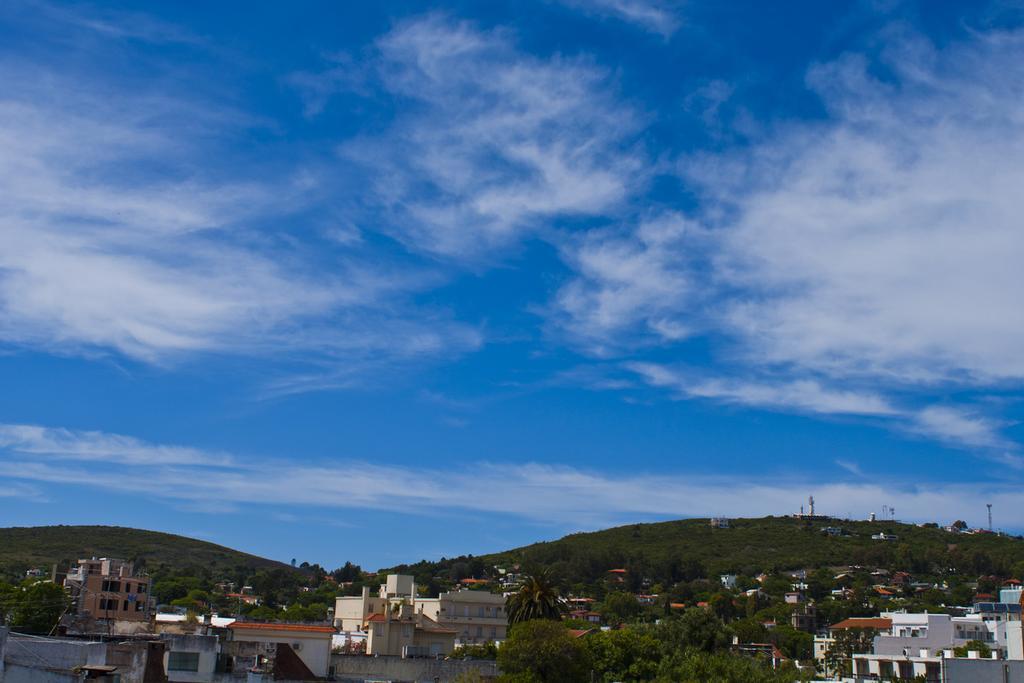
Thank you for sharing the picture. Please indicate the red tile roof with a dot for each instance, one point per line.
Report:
(260, 626)
(616, 571)
(878, 623)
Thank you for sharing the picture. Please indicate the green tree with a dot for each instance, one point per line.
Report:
(847, 642)
(35, 607)
(696, 629)
(543, 651)
(623, 655)
(536, 598)
(749, 630)
(488, 650)
(694, 666)
(620, 607)
(793, 643)
(722, 605)
(983, 650)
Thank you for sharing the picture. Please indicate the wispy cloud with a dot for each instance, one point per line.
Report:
(629, 287)
(102, 22)
(804, 395)
(560, 496)
(657, 16)
(886, 241)
(954, 425)
(491, 142)
(126, 231)
(846, 265)
(58, 443)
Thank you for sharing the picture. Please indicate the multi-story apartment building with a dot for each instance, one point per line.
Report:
(473, 616)
(108, 588)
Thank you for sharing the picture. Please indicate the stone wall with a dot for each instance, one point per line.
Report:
(359, 668)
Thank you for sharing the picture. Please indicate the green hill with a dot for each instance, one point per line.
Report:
(668, 552)
(23, 548)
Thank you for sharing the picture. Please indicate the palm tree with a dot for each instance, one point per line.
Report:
(536, 598)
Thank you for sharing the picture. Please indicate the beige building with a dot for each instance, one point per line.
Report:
(406, 632)
(108, 588)
(476, 616)
(461, 617)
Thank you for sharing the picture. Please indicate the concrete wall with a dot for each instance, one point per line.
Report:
(53, 654)
(984, 671)
(358, 668)
(24, 674)
(206, 646)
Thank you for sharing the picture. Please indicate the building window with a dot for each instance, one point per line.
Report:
(127, 605)
(111, 586)
(494, 632)
(183, 661)
(407, 631)
(140, 606)
(479, 631)
(479, 611)
(142, 588)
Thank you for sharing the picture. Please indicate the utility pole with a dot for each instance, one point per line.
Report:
(989, 506)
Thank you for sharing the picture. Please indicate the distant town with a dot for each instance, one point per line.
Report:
(914, 615)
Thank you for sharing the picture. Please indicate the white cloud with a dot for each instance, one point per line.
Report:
(124, 230)
(879, 248)
(657, 16)
(957, 426)
(99, 446)
(887, 242)
(491, 142)
(545, 493)
(628, 287)
(961, 426)
(802, 395)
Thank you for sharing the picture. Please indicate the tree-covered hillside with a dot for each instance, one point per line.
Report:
(23, 548)
(669, 552)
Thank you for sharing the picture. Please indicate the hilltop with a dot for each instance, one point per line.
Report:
(668, 552)
(23, 548)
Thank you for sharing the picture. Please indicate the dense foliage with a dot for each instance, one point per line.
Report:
(32, 606)
(689, 647)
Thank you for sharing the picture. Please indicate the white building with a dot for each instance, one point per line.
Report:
(909, 634)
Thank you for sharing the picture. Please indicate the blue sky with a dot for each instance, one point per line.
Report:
(389, 281)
